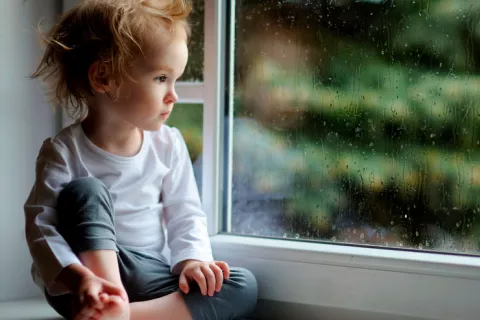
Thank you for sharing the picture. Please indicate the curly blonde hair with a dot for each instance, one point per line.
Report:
(112, 32)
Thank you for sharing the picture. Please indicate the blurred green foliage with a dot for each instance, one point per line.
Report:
(188, 118)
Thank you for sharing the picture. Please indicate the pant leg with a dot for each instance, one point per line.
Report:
(86, 216)
(86, 221)
(236, 300)
(147, 278)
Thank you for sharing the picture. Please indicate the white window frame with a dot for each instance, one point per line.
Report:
(367, 283)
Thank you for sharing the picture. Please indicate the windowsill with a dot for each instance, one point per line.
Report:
(400, 283)
(448, 265)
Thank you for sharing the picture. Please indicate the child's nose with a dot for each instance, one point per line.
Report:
(171, 97)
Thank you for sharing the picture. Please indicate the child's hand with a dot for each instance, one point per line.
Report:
(208, 275)
(114, 307)
(87, 298)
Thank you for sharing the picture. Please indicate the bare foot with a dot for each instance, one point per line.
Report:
(114, 308)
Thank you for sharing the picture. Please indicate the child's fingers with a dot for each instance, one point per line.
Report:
(116, 300)
(183, 283)
(91, 298)
(112, 289)
(199, 277)
(218, 277)
(210, 279)
(104, 298)
(225, 268)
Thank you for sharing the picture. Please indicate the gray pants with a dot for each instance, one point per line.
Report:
(86, 221)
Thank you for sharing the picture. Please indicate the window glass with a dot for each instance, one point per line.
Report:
(194, 69)
(358, 122)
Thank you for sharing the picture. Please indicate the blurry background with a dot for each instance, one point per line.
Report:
(355, 122)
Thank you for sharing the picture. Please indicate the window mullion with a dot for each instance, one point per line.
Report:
(212, 187)
(229, 134)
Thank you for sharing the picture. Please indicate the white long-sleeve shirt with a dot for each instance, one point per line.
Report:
(154, 185)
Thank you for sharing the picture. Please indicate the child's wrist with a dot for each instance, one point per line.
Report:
(71, 276)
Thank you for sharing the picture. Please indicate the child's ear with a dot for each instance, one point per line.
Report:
(98, 76)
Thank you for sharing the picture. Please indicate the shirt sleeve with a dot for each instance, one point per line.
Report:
(185, 219)
(49, 250)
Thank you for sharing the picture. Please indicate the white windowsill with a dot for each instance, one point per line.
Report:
(398, 283)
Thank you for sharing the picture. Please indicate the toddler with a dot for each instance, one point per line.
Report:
(115, 188)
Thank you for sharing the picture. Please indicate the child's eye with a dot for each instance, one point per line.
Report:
(161, 79)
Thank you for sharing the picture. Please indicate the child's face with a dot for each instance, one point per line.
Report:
(147, 102)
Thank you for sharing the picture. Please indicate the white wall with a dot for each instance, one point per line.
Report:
(26, 119)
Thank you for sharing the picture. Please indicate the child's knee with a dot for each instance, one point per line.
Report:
(82, 190)
(244, 289)
(84, 196)
(85, 215)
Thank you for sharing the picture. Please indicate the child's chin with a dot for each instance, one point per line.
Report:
(153, 127)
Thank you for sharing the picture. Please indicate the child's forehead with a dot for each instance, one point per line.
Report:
(164, 53)
(162, 44)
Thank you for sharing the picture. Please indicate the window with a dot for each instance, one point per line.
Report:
(357, 122)
(295, 82)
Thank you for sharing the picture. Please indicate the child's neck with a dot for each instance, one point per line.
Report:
(116, 137)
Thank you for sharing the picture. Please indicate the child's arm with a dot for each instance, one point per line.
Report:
(186, 222)
(188, 239)
(49, 250)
